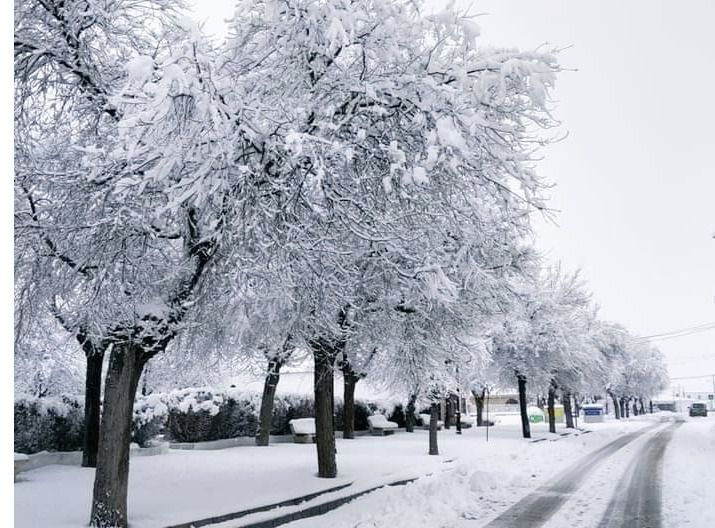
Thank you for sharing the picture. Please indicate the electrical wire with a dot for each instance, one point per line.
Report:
(683, 332)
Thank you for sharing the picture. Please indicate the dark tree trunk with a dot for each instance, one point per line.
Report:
(410, 414)
(625, 410)
(324, 358)
(433, 419)
(267, 400)
(635, 407)
(616, 408)
(479, 401)
(650, 404)
(525, 427)
(566, 397)
(92, 406)
(350, 381)
(109, 500)
(642, 406)
(550, 408)
(447, 412)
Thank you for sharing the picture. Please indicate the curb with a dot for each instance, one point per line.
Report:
(320, 509)
(575, 432)
(237, 515)
(312, 511)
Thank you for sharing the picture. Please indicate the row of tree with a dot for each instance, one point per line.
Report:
(350, 178)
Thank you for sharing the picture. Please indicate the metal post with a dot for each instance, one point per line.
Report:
(575, 408)
(459, 412)
(487, 422)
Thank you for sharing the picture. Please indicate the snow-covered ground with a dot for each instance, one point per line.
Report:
(471, 478)
(483, 481)
(689, 463)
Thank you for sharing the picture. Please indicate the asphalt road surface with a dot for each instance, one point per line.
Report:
(636, 505)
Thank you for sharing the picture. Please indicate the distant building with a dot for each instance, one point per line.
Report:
(681, 394)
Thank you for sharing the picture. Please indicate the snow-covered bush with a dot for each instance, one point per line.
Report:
(201, 415)
(48, 424)
(150, 415)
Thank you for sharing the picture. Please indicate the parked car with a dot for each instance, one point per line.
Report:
(698, 409)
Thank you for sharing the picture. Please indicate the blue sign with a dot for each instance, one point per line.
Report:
(592, 412)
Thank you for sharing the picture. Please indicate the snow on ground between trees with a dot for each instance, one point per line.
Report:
(471, 477)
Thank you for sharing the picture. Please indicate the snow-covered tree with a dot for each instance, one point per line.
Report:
(384, 128)
(379, 153)
(113, 119)
(541, 335)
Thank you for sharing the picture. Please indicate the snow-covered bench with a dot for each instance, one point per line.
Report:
(303, 430)
(20, 462)
(425, 421)
(380, 426)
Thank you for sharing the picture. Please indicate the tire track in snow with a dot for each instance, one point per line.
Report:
(537, 507)
(640, 505)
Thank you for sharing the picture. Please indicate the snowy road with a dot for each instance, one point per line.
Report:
(639, 505)
(658, 475)
(661, 478)
(537, 507)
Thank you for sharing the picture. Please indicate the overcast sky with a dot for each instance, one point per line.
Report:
(635, 178)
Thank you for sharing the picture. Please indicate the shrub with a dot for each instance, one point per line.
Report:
(200, 415)
(398, 416)
(48, 424)
(150, 415)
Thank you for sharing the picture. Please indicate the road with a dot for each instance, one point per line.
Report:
(639, 504)
(634, 502)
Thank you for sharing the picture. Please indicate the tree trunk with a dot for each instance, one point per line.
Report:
(433, 419)
(525, 427)
(550, 408)
(324, 359)
(625, 408)
(109, 500)
(447, 412)
(410, 414)
(267, 401)
(349, 405)
(616, 408)
(566, 397)
(642, 406)
(92, 406)
(479, 401)
(635, 407)
(650, 404)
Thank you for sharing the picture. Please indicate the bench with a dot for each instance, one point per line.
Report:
(425, 422)
(303, 430)
(20, 462)
(379, 426)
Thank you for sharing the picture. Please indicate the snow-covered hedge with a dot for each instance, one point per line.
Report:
(196, 414)
(150, 415)
(202, 414)
(48, 424)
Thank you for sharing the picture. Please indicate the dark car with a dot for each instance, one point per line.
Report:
(698, 409)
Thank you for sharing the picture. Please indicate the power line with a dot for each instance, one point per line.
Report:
(683, 332)
(693, 377)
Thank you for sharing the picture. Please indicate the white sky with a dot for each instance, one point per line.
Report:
(635, 182)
